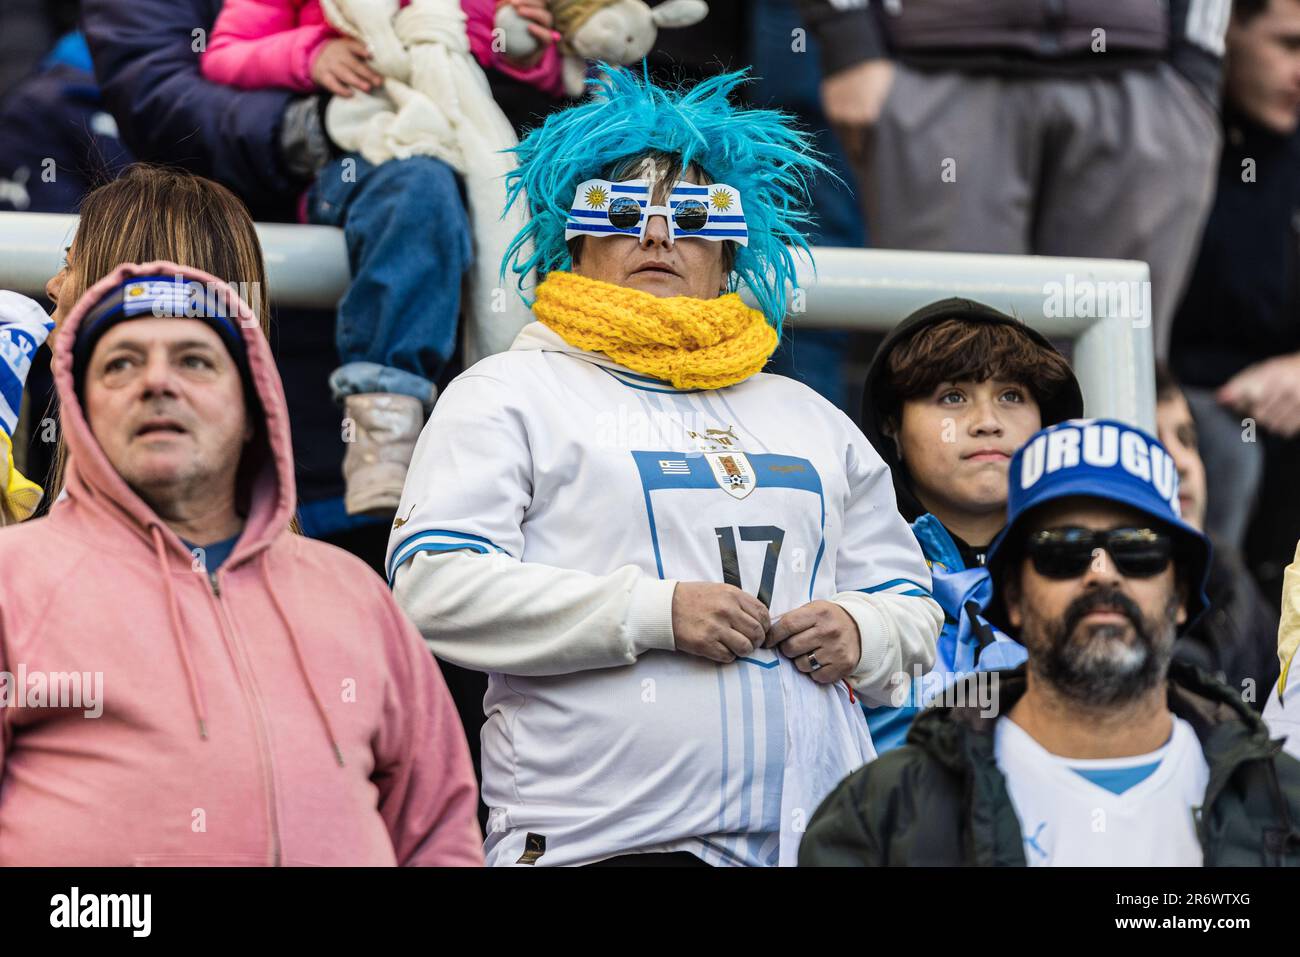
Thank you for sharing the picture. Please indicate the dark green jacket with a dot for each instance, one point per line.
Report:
(941, 799)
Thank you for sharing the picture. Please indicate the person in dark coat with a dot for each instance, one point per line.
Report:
(57, 141)
(28, 29)
(146, 55)
(1236, 341)
(1102, 749)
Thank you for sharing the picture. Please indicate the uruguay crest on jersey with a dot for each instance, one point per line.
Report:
(734, 473)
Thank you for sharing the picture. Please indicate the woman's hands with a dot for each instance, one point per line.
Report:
(823, 630)
(723, 623)
(718, 622)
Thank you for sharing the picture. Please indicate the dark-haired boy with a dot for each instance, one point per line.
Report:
(951, 394)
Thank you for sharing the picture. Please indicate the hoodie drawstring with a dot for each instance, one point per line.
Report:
(174, 611)
(302, 666)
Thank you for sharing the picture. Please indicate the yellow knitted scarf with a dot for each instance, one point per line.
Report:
(692, 343)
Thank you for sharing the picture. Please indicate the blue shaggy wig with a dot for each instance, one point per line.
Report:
(759, 152)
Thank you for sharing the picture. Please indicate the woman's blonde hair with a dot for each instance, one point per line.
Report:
(150, 213)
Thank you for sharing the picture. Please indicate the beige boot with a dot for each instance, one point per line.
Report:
(384, 427)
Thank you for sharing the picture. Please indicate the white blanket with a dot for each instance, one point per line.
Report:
(436, 102)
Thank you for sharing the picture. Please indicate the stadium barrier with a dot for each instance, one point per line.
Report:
(1102, 307)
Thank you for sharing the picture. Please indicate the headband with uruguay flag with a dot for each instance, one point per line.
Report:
(158, 297)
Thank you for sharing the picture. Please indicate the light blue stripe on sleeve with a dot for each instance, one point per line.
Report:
(439, 540)
(915, 590)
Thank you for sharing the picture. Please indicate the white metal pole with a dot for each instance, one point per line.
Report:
(306, 266)
(1102, 305)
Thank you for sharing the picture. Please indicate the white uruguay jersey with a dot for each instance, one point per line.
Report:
(553, 455)
(1115, 812)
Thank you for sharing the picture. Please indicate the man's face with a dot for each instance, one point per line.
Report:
(656, 264)
(165, 402)
(1176, 430)
(958, 441)
(1263, 66)
(1102, 637)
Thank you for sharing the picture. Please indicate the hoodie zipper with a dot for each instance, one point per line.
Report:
(259, 716)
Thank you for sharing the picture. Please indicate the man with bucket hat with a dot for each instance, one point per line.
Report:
(1100, 750)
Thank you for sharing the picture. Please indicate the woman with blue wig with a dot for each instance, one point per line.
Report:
(677, 571)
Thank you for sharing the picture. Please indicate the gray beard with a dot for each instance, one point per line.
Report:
(1097, 665)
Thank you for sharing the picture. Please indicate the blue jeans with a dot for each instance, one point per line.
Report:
(409, 244)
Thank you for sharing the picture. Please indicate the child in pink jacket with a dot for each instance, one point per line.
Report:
(408, 233)
(288, 43)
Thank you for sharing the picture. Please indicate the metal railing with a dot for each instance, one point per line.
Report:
(1101, 305)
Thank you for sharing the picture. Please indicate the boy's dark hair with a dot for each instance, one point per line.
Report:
(963, 349)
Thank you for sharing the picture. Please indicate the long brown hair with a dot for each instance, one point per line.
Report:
(150, 213)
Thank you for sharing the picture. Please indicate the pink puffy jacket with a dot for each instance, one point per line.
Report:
(264, 43)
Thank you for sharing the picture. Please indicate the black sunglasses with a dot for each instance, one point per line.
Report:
(689, 215)
(1067, 552)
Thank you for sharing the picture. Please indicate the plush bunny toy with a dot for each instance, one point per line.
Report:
(616, 31)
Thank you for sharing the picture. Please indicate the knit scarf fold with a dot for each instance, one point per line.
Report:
(19, 495)
(691, 343)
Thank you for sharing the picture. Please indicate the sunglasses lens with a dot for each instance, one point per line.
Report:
(624, 213)
(1060, 559)
(1067, 552)
(1140, 552)
(690, 216)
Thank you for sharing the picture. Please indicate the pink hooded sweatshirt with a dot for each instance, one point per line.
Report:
(272, 43)
(281, 711)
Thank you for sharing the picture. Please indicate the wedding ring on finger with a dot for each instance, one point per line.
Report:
(813, 663)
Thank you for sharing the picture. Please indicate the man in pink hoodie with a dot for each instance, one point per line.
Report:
(182, 679)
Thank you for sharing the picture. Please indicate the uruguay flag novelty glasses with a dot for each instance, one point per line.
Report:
(602, 208)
